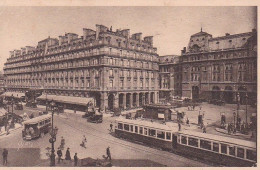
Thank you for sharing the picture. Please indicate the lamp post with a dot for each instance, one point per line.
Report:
(52, 140)
(246, 106)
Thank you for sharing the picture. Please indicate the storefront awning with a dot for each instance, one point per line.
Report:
(67, 99)
(15, 94)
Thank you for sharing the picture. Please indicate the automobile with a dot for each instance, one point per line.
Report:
(18, 106)
(96, 118)
(31, 104)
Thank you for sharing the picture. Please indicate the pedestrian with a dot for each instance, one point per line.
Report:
(108, 153)
(5, 154)
(179, 125)
(7, 128)
(193, 106)
(62, 143)
(84, 140)
(59, 153)
(200, 107)
(75, 160)
(204, 129)
(68, 155)
(228, 128)
(31, 116)
(111, 127)
(187, 121)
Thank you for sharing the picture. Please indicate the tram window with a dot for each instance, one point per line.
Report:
(224, 148)
(184, 140)
(145, 131)
(131, 128)
(240, 152)
(126, 127)
(120, 126)
(168, 135)
(205, 144)
(251, 155)
(160, 134)
(151, 132)
(141, 130)
(232, 150)
(193, 142)
(215, 147)
(136, 129)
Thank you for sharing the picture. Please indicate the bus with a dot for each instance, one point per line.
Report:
(218, 149)
(36, 127)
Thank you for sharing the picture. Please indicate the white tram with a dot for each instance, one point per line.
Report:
(219, 149)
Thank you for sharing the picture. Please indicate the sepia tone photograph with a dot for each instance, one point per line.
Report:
(128, 86)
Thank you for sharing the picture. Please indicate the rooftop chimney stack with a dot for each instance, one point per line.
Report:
(87, 32)
(137, 36)
(99, 29)
(149, 39)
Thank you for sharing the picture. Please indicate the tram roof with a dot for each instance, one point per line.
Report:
(37, 119)
(219, 138)
(146, 123)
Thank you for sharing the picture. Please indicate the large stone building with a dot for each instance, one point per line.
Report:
(220, 68)
(2, 82)
(116, 69)
(170, 77)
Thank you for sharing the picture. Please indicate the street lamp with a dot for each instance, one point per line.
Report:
(246, 106)
(52, 140)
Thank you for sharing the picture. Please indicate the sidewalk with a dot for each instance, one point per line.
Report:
(234, 134)
(17, 126)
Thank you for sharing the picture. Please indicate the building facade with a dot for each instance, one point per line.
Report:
(114, 67)
(170, 77)
(2, 82)
(220, 68)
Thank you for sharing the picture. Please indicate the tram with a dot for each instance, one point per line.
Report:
(214, 148)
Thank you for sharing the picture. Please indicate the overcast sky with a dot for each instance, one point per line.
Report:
(170, 26)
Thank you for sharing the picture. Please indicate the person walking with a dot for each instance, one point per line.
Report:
(204, 129)
(75, 160)
(5, 154)
(59, 153)
(84, 140)
(108, 153)
(111, 127)
(67, 156)
(7, 128)
(179, 125)
(62, 143)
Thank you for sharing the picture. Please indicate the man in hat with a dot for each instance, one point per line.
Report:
(5, 153)
(59, 153)
(108, 153)
(75, 160)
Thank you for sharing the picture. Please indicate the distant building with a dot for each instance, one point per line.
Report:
(115, 68)
(220, 68)
(2, 82)
(170, 77)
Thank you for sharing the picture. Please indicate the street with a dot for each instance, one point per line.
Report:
(124, 153)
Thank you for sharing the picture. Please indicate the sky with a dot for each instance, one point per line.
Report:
(170, 26)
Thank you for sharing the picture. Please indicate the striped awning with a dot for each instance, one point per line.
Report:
(67, 99)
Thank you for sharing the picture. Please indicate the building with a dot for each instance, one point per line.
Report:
(114, 67)
(220, 67)
(170, 77)
(2, 82)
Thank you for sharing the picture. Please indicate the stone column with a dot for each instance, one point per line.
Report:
(116, 101)
(131, 100)
(137, 99)
(149, 98)
(104, 101)
(124, 101)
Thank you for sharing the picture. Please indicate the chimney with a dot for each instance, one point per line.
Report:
(87, 32)
(183, 51)
(227, 34)
(149, 39)
(137, 36)
(99, 29)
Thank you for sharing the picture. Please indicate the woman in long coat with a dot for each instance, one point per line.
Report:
(67, 156)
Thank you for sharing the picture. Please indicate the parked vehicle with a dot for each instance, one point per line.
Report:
(36, 127)
(96, 118)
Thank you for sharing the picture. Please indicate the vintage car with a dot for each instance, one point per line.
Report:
(18, 106)
(96, 118)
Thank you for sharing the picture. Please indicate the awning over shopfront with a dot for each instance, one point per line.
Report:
(15, 94)
(67, 99)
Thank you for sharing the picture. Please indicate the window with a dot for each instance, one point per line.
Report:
(141, 130)
(126, 127)
(136, 129)
(111, 84)
(184, 140)
(232, 150)
(131, 128)
(145, 131)
(215, 147)
(120, 126)
(193, 142)
(111, 73)
(152, 132)
(205, 144)
(41, 123)
(168, 135)
(160, 134)
(224, 148)
(251, 155)
(240, 152)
